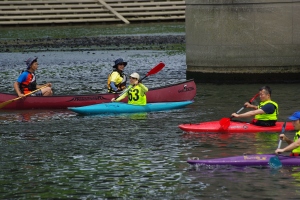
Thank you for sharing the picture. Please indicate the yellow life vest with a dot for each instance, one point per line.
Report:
(296, 137)
(265, 117)
(120, 81)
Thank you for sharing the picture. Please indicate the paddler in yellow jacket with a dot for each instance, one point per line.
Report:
(294, 145)
(265, 114)
(137, 92)
(116, 81)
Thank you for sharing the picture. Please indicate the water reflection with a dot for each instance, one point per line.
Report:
(58, 154)
(7, 117)
(107, 116)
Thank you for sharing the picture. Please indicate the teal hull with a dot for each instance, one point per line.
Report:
(119, 107)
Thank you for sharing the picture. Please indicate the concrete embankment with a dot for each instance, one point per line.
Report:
(243, 41)
(141, 42)
(49, 12)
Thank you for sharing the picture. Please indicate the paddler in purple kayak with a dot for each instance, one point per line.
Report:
(265, 114)
(293, 145)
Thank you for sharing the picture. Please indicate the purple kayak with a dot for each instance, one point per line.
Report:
(248, 160)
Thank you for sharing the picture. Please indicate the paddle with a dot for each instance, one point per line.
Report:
(274, 161)
(154, 70)
(225, 122)
(12, 100)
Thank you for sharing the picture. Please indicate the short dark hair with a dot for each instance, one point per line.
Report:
(267, 89)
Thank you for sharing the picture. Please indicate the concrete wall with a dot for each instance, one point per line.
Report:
(243, 41)
(34, 12)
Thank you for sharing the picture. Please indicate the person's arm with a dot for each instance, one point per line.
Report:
(249, 105)
(123, 95)
(17, 89)
(143, 87)
(113, 80)
(284, 138)
(290, 147)
(248, 114)
(20, 80)
(113, 86)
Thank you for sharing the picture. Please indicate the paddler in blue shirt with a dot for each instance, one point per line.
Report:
(294, 145)
(26, 82)
(265, 114)
(137, 92)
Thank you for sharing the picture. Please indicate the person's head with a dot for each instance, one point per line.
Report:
(265, 93)
(134, 77)
(120, 64)
(32, 63)
(296, 120)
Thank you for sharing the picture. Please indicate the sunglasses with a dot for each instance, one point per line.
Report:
(132, 77)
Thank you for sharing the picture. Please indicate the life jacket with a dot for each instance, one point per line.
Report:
(29, 84)
(266, 117)
(121, 86)
(136, 96)
(296, 137)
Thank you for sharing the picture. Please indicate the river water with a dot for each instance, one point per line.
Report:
(47, 154)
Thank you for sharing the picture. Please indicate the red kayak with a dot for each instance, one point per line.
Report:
(183, 91)
(235, 127)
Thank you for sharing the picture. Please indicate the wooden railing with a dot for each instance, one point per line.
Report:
(14, 12)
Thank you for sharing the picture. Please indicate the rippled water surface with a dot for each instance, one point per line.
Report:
(58, 154)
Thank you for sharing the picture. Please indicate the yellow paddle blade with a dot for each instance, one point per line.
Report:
(12, 100)
(6, 103)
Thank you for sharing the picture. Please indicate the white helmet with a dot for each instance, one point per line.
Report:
(135, 75)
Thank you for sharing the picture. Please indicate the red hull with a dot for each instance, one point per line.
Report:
(235, 127)
(183, 91)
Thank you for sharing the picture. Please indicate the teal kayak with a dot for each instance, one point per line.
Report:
(119, 107)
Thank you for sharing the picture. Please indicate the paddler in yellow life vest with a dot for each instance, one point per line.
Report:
(116, 81)
(265, 114)
(137, 92)
(294, 145)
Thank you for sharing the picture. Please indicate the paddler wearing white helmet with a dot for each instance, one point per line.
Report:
(136, 91)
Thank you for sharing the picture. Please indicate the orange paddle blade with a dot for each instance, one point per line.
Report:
(225, 123)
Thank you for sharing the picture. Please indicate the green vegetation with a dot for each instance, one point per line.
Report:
(38, 32)
(149, 36)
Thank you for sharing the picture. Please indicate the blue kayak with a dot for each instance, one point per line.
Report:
(119, 107)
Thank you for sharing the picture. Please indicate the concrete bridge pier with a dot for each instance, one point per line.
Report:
(243, 41)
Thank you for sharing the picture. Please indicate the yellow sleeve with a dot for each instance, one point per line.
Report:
(124, 94)
(115, 77)
(121, 97)
(143, 87)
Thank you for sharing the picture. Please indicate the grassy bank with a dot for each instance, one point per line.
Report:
(151, 36)
(25, 33)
